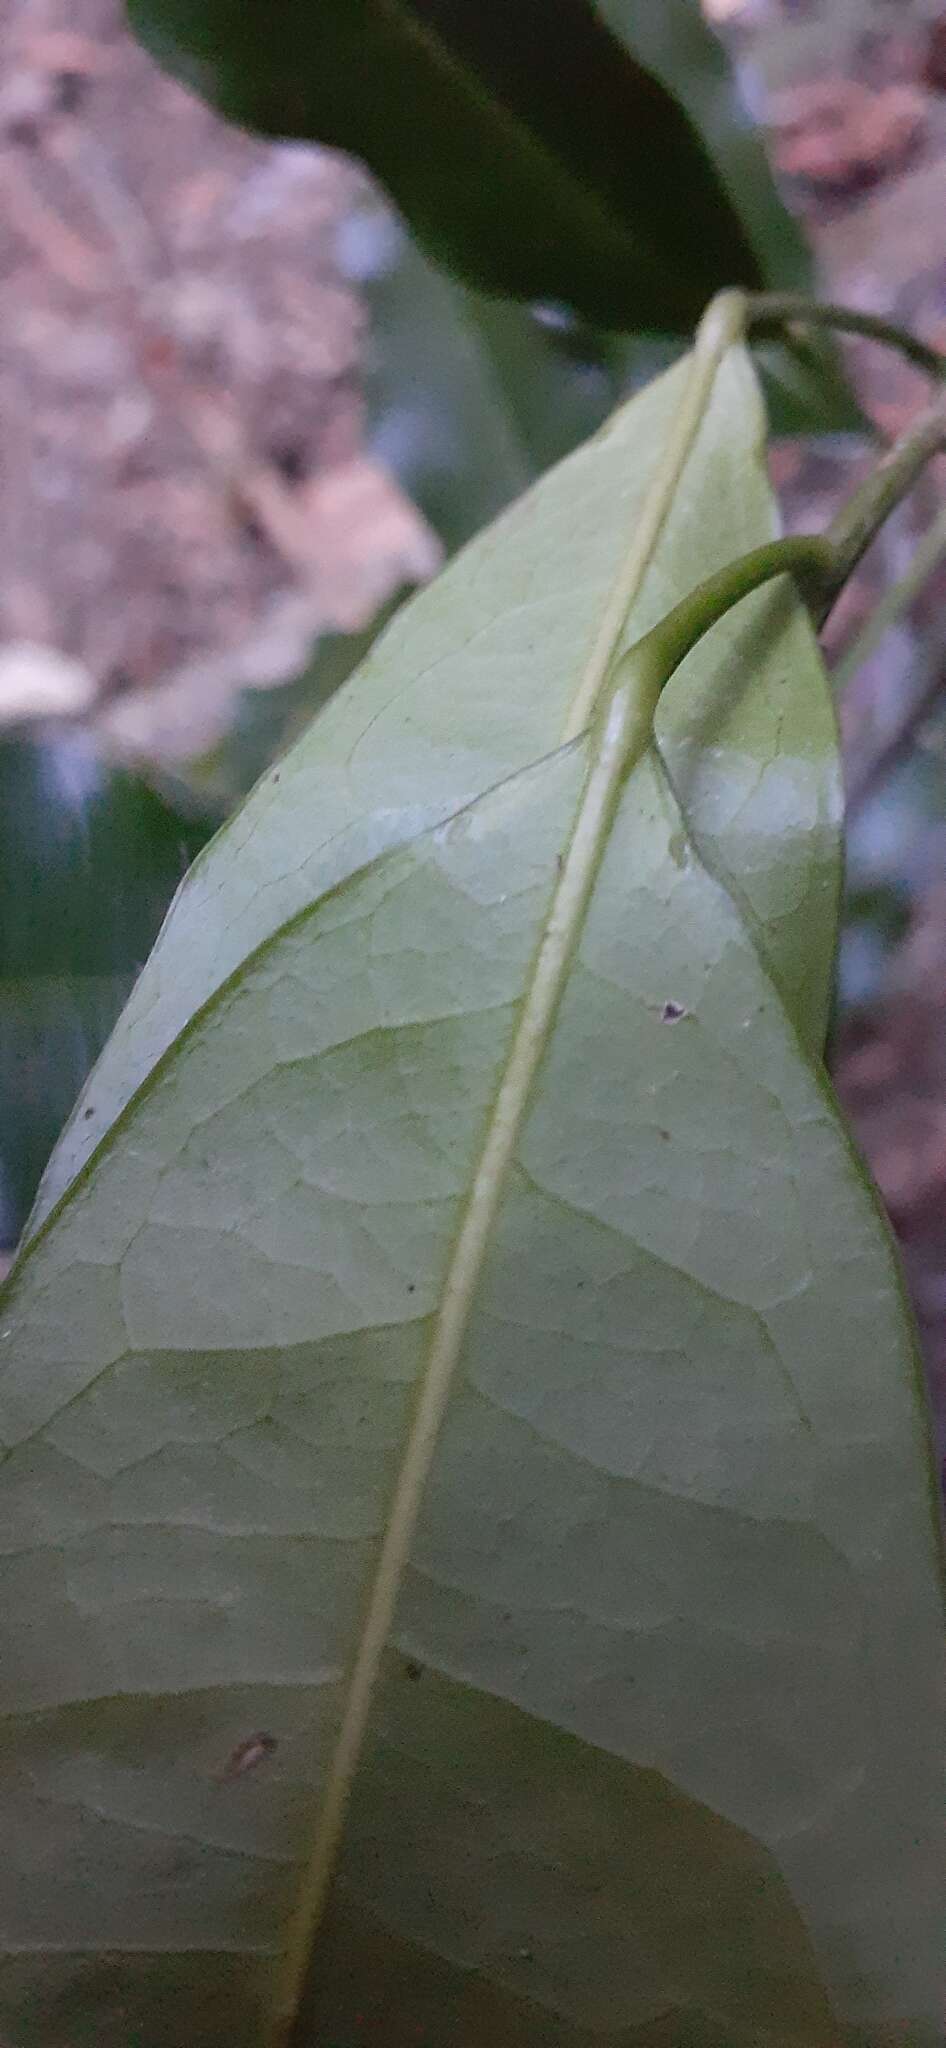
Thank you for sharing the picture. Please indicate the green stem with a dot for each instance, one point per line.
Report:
(820, 563)
(723, 323)
(769, 312)
(898, 599)
(808, 557)
(651, 662)
(858, 522)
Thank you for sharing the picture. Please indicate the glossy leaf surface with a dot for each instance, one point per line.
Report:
(524, 143)
(653, 1749)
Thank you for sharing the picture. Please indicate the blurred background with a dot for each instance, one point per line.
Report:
(242, 415)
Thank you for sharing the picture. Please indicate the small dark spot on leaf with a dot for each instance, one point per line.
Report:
(89, 1112)
(412, 1287)
(247, 1755)
(663, 1134)
(671, 1011)
(412, 1669)
(276, 776)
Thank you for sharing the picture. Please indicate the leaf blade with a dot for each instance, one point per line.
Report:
(476, 677)
(578, 1610)
(654, 1525)
(676, 44)
(563, 169)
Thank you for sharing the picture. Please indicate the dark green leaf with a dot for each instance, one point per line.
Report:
(439, 416)
(806, 388)
(674, 41)
(469, 398)
(524, 143)
(90, 859)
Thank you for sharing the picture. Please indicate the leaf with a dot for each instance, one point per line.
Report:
(651, 1752)
(438, 415)
(468, 398)
(473, 680)
(268, 718)
(806, 385)
(525, 145)
(675, 43)
(453, 409)
(90, 859)
(807, 389)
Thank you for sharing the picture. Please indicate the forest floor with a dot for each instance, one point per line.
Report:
(188, 500)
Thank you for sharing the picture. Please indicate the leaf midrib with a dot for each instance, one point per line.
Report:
(623, 735)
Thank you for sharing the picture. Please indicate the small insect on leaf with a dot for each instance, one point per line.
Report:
(246, 1756)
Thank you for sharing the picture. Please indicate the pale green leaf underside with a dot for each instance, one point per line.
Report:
(653, 1755)
(672, 1759)
(474, 680)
